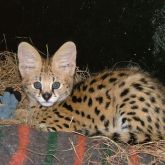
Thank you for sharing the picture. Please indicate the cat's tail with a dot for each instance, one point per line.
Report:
(130, 137)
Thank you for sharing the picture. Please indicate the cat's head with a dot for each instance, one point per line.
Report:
(47, 81)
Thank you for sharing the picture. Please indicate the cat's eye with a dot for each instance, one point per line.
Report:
(37, 85)
(55, 85)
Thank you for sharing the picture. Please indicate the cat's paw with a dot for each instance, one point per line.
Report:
(21, 115)
(8, 103)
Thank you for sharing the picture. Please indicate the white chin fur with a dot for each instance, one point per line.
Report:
(46, 104)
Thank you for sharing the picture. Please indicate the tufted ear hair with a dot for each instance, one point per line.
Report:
(64, 60)
(29, 59)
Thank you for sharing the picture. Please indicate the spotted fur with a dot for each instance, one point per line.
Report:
(126, 105)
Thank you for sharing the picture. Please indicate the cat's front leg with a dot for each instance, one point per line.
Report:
(22, 115)
(30, 117)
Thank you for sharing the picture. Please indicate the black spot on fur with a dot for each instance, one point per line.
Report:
(152, 87)
(107, 105)
(121, 84)
(148, 105)
(133, 96)
(148, 138)
(90, 102)
(157, 125)
(99, 99)
(152, 99)
(122, 113)
(136, 118)
(149, 131)
(91, 90)
(78, 85)
(124, 120)
(77, 112)
(59, 126)
(108, 95)
(54, 129)
(137, 86)
(75, 99)
(139, 129)
(93, 81)
(101, 86)
(106, 123)
(143, 80)
(160, 137)
(84, 87)
(84, 125)
(134, 107)
(96, 128)
(111, 80)
(68, 107)
(88, 117)
(163, 119)
(132, 138)
(58, 114)
(145, 110)
(97, 111)
(149, 119)
(132, 102)
(150, 127)
(157, 110)
(127, 127)
(131, 113)
(85, 98)
(104, 76)
(126, 99)
(116, 137)
(163, 101)
(147, 93)
(124, 92)
(122, 74)
(68, 118)
(141, 99)
(102, 117)
(113, 122)
(66, 125)
(97, 133)
(82, 114)
(42, 122)
(122, 105)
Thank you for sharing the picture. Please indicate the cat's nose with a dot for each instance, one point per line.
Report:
(46, 96)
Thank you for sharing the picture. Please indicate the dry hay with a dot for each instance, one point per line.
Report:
(152, 153)
(120, 154)
(9, 75)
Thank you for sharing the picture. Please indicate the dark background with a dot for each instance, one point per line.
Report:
(108, 33)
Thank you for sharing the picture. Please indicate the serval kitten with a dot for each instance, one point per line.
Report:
(47, 81)
(126, 105)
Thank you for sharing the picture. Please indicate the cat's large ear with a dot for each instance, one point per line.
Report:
(29, 59)
(64, 60)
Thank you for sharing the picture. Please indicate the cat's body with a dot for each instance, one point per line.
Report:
(126, 105)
